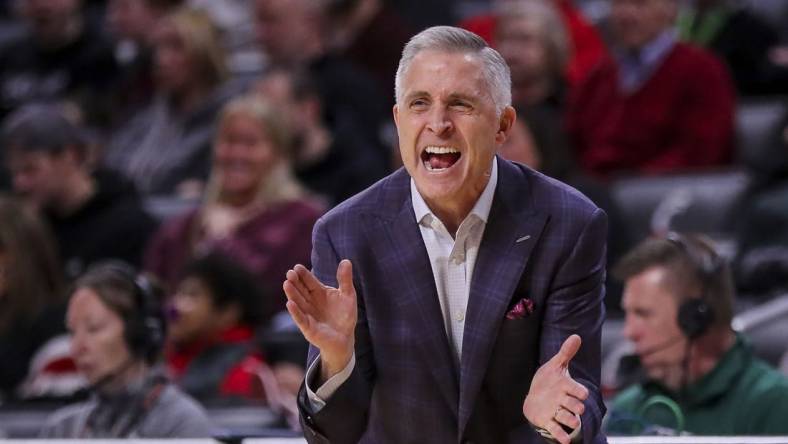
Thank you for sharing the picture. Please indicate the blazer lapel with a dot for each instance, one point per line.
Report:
(413, 282)
(512, 231)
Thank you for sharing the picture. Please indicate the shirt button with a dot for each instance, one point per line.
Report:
(459, 316)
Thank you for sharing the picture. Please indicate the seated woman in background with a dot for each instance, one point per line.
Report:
(32, 303)
(118, 330)
(166, 148)
(254, 212)
(212, 319)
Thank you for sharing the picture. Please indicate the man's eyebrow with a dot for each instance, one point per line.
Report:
(463, 96)
(413, 94)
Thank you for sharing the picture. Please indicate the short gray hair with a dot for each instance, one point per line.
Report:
(451, 39)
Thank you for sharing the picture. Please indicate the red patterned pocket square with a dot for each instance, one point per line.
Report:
(523, 308)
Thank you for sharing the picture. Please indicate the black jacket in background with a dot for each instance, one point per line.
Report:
(111, 225)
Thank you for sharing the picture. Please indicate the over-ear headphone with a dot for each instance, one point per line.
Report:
(145, 327)
(695, 314)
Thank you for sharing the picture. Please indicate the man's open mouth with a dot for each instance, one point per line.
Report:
(437, 158)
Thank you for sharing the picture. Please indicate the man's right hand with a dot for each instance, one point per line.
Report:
(325, 315)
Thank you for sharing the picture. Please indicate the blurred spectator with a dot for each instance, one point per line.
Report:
(165, 149)
(533, 40)
(129, 23)
(658, 105)
(236, 23)
(255, 211)
(370, 34)
(327, 157)
(61, 58)
(214, 313)
(740, 38)
(296, 34)
(94, 214)
(31, 297)
(700, 376)
(586, 47)
(531, 37)
(117, 332)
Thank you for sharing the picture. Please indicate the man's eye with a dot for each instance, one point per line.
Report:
(461, 105)
(418, 104)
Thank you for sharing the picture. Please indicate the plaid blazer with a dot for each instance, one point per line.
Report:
(543, 242)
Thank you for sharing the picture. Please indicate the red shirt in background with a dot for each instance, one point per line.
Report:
(680, 119)
(240, 381)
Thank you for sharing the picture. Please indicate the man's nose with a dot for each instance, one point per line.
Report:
(439, 122)
(629, 330)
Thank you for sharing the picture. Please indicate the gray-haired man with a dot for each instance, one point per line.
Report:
(471, 278)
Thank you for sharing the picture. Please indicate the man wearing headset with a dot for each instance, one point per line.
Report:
(700, 376)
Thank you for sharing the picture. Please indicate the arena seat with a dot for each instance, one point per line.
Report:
(700, 202)
(759, 133)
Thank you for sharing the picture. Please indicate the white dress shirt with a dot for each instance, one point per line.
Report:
(452, 260)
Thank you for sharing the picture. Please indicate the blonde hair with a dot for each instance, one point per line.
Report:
(553, 34)
(200, 38)
(280, 184)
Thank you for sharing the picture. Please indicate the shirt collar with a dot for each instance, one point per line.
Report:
(636, 66)
(724, 375)
(481, 209)
(654, 51)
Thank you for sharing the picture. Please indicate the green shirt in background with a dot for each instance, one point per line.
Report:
(742, 395)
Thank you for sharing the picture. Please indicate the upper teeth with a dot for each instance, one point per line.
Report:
(441, 150)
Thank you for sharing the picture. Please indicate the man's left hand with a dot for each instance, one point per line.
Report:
(555, 399)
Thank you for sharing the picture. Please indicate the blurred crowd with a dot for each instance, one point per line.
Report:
(194, 143)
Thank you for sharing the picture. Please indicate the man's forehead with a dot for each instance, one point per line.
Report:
(431, 70)
(459, 58)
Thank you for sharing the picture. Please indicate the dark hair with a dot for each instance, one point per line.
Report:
(228, 283)
(33, 273)
(135, 299)
(43, 127)
(689, 275)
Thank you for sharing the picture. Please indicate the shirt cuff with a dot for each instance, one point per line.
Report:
(317, 400)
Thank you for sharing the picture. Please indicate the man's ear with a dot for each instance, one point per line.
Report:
(395, 112)
(505, 124)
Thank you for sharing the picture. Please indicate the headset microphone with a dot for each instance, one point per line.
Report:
(662, 346)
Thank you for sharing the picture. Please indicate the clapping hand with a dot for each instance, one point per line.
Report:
(325, 315)
(555, 399)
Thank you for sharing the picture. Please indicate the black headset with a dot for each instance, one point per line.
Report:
(695, 314)
(145, 326)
